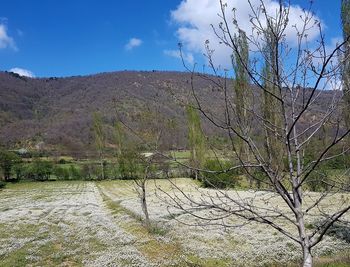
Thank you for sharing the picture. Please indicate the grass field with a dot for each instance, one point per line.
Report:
(99, 224)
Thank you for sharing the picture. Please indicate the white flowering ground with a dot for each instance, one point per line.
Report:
(100, 224)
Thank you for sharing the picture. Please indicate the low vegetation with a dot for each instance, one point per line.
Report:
(100, 224)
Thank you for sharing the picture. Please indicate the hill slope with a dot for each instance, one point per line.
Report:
(57, 112)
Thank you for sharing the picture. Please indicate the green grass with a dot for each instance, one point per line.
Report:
(195, 261)
(339, 260)
(56, 251)
(19, 230)
(16, 259)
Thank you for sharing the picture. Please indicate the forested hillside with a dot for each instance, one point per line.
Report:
(55, 114)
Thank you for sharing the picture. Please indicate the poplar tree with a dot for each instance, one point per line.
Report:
(271, 106)
(119, 137)
(243, 94)
(345, 17)
(196, 139)
(99, 140)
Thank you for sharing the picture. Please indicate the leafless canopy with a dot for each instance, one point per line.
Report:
(293, 81)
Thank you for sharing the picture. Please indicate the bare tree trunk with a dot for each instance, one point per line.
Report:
(141, 184)
(307, 260)
(144, 202)
(102, 170)
(303, 237)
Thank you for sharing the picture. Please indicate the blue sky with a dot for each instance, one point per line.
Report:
(78, 37)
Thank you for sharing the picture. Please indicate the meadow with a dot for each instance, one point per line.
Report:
(90, 223)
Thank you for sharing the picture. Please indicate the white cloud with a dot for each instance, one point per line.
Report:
(188, 57)
(194, 18)
(334, 42)
(5, 40)
(133, 42)
(23, 72)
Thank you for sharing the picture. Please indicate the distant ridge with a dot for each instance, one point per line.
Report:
(57, 112)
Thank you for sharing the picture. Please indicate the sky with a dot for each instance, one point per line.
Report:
(58, 38)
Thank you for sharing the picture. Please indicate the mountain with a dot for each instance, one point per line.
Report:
(56, 113)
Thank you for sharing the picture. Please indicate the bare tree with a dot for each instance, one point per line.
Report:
(134, 163)
(289, 88)
(141, 189)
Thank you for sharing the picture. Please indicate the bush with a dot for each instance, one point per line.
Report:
(260, 177)
(129, 165)
(219, 180)
(86, 171)
(75, 173)
(90, 171)
(2, 184)
(112, 171)
(39, 170)
(7, 161)
(61, 173)
(318, 180)
(62, 161)
(341, 162)
(19, 170)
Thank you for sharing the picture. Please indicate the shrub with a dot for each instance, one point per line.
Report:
(7, 161)
(318, 180)
(260, 177)
(2, 184)
(129, 165)
(61, 173)
(341, 162)
(39, 170)
(112, 171)
(62, 161)
(75, 173)
(219, 180)
(86, 171)
(90, 171)
(19, 170)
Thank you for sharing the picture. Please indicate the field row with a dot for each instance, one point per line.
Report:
(100, 224)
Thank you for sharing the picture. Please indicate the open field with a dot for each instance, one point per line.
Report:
(98, 224)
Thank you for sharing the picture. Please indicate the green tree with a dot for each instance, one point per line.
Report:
(7, 161)
(345, 16)
(61, 173)
(196, 140)
(40, 170)
(75, 172)
(219, 177)
(243, 96)
(119, 137)
(127, 154)
(289, 87)
(100, 140)
(271, 105)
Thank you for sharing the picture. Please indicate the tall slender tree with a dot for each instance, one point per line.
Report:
(99, 140)
(272, 109)
(290, 90)
(243, 94)
(345, 17)
(196, 139)
(119, 137)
